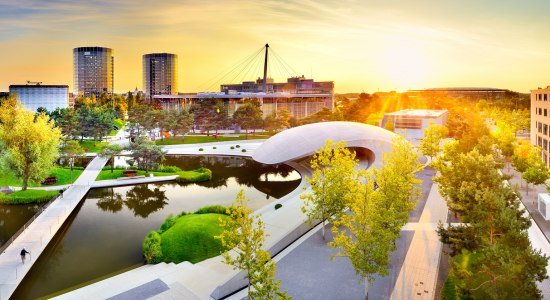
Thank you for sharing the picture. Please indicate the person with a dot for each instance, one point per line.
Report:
(23, 253)
(61, 193)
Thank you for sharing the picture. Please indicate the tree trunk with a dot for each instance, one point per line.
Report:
(323, 229)
(112, 164)
(527, 187)
(71, 164)
(366, 288)
(25, 182)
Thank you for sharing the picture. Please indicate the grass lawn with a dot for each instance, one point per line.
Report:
(197, 139)
(89, 145)
(191, 238)
(28, 196)
(187, 176)
(63, 175)
(118, 123)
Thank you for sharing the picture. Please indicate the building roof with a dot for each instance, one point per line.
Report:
(38, 86)
(427, 113)
(302, 141)
(220, 95)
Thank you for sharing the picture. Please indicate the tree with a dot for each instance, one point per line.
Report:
(390, 126)
(146, 153)
(333, 174)
(243, 234)
(520, 159)
(433, 135)
(69, 124)
(248, 116)
(276, 122)
(30, 144)
(111, 151)
(96, 122)
(71, 150)
(537, 171)
(367, 234)
(180, 122)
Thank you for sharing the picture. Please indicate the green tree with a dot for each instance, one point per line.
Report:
(69, 124)
(367, 234)
(537, 171)
(248, 116)
(30, 144)
(520, 159)
(180, 122)
(433, 135)
(244, 234)
(146, 154)
(110, 152)
(71, 150)
(333, 174)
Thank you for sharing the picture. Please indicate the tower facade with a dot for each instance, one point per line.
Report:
(160, 74)
(93, 71)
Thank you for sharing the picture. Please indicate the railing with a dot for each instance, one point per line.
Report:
(22, 229)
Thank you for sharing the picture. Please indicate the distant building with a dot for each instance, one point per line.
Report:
(33, 96)
(160, 74)
(540, 120)
(474, 93)
(300, 96)
(412, 122)
(93, 71)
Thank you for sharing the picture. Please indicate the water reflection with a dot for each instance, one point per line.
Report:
(12, 218)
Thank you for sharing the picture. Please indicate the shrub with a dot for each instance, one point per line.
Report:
(169, 222)
(232, 147)
(169, 169)
(151, 248)
(448, 292)
(244, 150)
(238, 146)
(198, 175)
(213, 147)
(28, 196)
(200, 149)
(212, 209)
(278, 205)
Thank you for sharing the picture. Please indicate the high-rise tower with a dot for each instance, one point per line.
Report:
(160, 74)
(93, 71)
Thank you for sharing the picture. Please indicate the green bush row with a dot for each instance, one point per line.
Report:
(28, 196)
(152, 250)
(198, 175)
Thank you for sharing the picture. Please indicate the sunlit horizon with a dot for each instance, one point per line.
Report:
(379, 46)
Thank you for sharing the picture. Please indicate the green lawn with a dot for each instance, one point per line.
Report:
(28, 196)
(197, 139)
(90, 147)
(118, 123)
(186, 176)
(63, 175)
(191, 238)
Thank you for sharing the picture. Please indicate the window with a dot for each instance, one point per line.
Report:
(539, 141)
(545, 131)
(545, 97)
(408, 122)
(545, 112)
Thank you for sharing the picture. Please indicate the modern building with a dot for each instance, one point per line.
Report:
(473, 93)
(412, 122)
(160, 74)
(300, 96)
(93, 71)
(36, 95)
(540, 120)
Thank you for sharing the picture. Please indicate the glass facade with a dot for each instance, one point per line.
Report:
(93, 71)
(50, 97)
(160, 74)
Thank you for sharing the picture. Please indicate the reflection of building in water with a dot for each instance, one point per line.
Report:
(228, 161)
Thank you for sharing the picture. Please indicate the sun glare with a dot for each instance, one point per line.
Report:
(405, 65)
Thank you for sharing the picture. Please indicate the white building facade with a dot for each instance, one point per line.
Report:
(411, 123)
(540, 120)
(50, 97)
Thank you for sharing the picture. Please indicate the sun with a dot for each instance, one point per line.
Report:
(405, 65)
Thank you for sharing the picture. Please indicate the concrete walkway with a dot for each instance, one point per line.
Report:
(36, 237)
(418, 276)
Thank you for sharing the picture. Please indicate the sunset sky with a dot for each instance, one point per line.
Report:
(361, 45)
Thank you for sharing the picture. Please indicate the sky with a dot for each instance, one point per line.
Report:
(361, 45)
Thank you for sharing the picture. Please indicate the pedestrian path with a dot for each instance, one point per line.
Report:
(40, 232)
(418, 276)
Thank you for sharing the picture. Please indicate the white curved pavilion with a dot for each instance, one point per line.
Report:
(302, 141)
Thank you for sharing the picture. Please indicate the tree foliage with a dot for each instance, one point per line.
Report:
(71, 150)
(29, 143)
(430, 145)
(244, 234)
(146, 154)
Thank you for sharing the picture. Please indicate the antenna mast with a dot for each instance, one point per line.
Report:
(265, 68)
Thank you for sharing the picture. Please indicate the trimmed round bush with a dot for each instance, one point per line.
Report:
(238, 146)
(213, 147)
(278, 205)
(200, 149)
(244, 150)
(232, 147)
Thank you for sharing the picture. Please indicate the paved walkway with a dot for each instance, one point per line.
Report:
(36, 237)
(418, 276)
